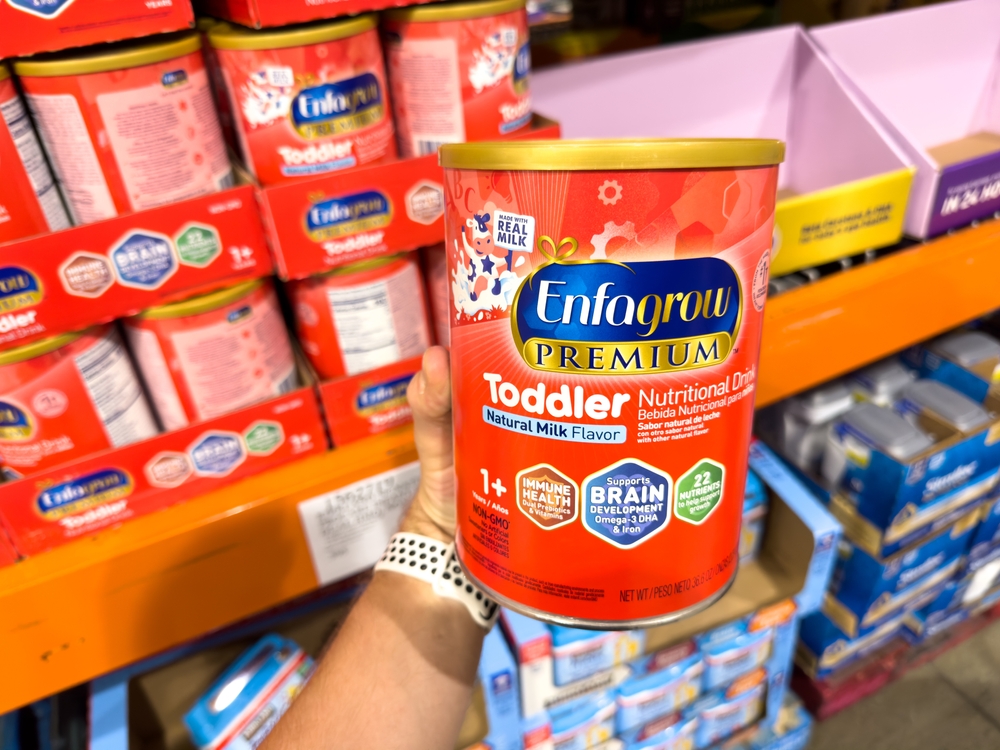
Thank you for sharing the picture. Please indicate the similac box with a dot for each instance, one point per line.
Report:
(734, 650)
(868, 590)
(584, 723)
(577, 654)
(724, 712)
(754, 516)
(673, 732)
(825, 649)
(659, 685)
(966, 360)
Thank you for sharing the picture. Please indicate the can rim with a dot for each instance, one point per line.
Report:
(453, 11)
(38, 348)
(363, 265)
(229, 36)
(205, 23)
(614, 154)
(202, 302)
(104, 59)
(4, 71)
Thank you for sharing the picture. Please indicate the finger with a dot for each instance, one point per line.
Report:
(429, 395)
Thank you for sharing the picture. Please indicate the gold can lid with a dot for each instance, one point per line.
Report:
(453, 11)
(230, 36)
(203, 302)
(363, 265)
(4, 71)
(115, 56)
(37, 348)
(630, 154)
(205, 23)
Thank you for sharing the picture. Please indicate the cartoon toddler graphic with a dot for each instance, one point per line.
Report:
(485, 267)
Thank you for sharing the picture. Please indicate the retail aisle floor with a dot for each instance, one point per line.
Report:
(953, 703)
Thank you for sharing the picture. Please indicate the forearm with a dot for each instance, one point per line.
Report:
(399, 674)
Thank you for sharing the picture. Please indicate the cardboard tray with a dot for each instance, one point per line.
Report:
(95, 492)
(844, 184)
(94, 273)
(30, 26)
(411, 194)
(932, 76)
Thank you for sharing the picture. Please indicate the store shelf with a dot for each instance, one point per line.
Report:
(847, 320)
(87, 608)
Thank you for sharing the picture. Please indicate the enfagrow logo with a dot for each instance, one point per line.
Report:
(382, 396)
(611, 318)
(337, 108)
(16, 423)
(78, 495)
(348, 215)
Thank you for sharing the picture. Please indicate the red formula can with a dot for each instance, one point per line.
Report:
(128, 126)
(66, 397)
(213, 354)
(604, 357)
(307, 100)
(458, 71)
(29, 200)
(436, 275)
(361, 316)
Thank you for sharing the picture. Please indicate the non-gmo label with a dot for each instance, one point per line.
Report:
(627, 503)
(699, 491)
(198, 245)
(143, 260)
(216, 454)
(263, 438)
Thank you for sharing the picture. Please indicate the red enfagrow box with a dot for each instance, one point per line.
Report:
(321, 223)
(31, 26)
(78, 277)
(366, 404)
(8, 556)
(81, 497)
(259, 13)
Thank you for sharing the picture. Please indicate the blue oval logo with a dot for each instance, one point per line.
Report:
(337, 108)
(19, 288)
(174, 78)
(383, 395)
(84, 492)
(347, 215)
(237, 315)
(609, 318)
(522, 63)
(15, 422)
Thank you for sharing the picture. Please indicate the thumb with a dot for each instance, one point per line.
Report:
(429, 396)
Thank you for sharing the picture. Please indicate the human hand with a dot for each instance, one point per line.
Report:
(429, 394)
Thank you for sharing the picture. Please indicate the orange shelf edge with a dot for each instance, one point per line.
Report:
(817, 332)
(103, 602)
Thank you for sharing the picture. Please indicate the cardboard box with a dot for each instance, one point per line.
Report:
(823, 527)
(260, 13)
(95, 273)
(825, 649)
(357, 406)
(932, 75)
(314, 224)
(867, 590)
(911, 523)
(33, 26)
(791, 731)
(102, 490)
(844, 184)
(931, 362)
(881, 488)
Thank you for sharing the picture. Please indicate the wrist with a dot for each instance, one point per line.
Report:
(418, 521)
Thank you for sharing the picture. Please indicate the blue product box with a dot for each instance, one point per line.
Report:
(577, 653)
(722, 713)
(792, 730)
(673, 732)
(937, 360)
(867, 590)
(825, 529)
(784, 621)
(912, 524)
(987, 535)
(755, 503)
(733, 650)
(225, 717)
(536, 732)
(659, 685)
(583, 723)
(824, 648)
(880, 486)
(498, 676)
